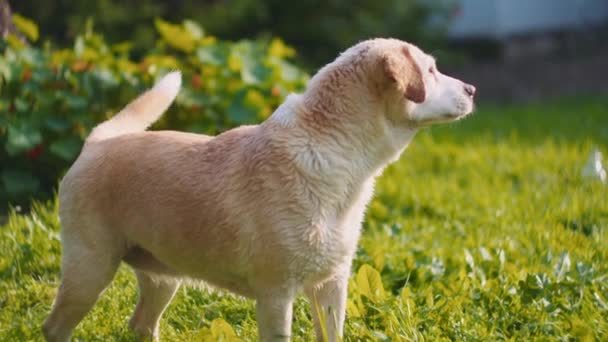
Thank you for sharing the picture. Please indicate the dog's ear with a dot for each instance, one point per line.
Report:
(401, 69)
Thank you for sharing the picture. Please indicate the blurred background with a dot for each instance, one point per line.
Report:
(569, 36)
(65, 65)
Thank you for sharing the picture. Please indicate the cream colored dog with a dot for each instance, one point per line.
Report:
(264, 211)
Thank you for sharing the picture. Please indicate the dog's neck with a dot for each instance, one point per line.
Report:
(350, 140)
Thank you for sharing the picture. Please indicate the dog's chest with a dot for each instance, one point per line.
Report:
(332, 240)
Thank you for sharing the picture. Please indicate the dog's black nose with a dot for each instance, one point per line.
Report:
(469, 89)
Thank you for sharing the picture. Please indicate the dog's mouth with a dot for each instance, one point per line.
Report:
(450, 117)
(460, 108)
(465, 114)
(464, 109)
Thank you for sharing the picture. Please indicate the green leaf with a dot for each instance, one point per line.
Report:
(19, 181)
(189, 98)
(25, 25)
(22, 105)
(105, 78)
(21, 138)
(79, 46)
(253, 71)
(289, 72)
(44, 99)
(369, 283)
(5, 70)
(469, 259)
(239, 112)
(14, 72)
(124, 47)
(563, 266)
(35, 57)
(57, 124)
(194, 29)
(14, 42)
(66, 148)
(351, 309)
(379, 336)
(212, 54)
(76, 102)
(175, 35)
(220, 330)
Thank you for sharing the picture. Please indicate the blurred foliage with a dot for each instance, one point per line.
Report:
(51, 98)
(318, 29)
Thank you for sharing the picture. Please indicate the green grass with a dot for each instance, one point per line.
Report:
(484, 230)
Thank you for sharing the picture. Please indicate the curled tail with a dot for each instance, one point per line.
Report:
(141, 112)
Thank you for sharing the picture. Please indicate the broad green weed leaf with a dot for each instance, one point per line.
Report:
(222, 331)
(429, 298)
(369, 283)
(378, 257)
(351, 309)
(378, 210)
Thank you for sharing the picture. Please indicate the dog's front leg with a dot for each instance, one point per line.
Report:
(328, 305)
(274, 313)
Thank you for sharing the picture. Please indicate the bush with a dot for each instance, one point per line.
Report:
(318, 29)
(51, 98)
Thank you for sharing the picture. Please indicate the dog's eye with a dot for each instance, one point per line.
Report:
(432, 70)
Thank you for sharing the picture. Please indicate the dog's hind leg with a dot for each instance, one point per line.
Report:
(155, 293)
(87, 269)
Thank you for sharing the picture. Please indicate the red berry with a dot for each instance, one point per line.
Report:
(35, 152)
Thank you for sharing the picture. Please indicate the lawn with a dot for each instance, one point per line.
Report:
(484, 230)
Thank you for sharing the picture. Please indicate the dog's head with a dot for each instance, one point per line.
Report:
(372, 99)
(391, 77)
(409, 79)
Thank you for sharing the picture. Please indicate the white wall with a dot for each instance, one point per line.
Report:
(500, 19)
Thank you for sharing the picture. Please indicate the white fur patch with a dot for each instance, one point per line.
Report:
(170, 84)
(286, 114)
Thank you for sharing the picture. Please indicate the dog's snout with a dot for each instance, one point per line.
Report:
(469, 89)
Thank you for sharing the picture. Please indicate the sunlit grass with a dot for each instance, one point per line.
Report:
(484, 230)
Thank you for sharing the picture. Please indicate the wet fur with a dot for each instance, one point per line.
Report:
(265, 211)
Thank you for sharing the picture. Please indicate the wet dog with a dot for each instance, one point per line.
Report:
(264, 211)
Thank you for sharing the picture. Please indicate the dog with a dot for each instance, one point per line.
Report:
(265, 211)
